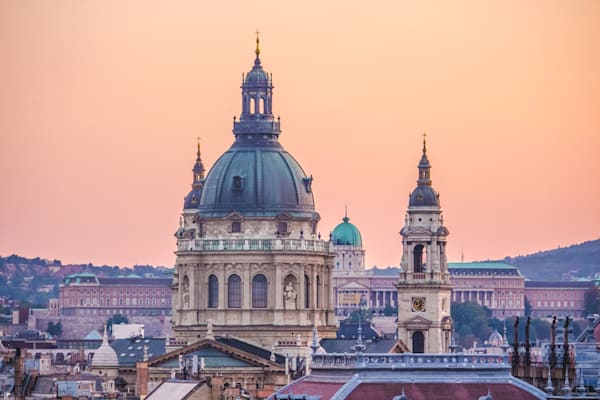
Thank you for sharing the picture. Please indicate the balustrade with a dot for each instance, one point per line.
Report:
(409, 361)
(253, 245)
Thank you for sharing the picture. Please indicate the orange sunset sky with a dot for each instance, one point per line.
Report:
(101, 103)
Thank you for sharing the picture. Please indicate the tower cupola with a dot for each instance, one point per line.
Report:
(424, 194)
(257, 123)
(192, 200)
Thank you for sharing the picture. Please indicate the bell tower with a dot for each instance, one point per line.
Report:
(424, 322)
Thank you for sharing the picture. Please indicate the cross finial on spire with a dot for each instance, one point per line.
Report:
(257, 51)
(424, 143)
(198, 146)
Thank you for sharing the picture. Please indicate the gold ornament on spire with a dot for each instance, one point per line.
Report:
(198, 147)
(424, 145)
(257, 51)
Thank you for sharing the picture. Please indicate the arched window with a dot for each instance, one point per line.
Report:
(234, 291)
(261, 105)
(306, 292)
(418, 342)
(252, 105)
(213, 292)
(259, 291)
(419, 258)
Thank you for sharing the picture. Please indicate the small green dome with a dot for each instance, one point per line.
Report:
(346, 234)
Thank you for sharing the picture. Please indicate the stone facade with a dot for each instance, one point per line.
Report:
(549, 298)
(86, 301)
(424, 323)
(250, 261)
(496, 285)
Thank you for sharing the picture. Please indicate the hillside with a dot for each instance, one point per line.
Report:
(35, 280)
(566, 263)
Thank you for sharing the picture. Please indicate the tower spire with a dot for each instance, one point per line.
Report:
(198, 152)
(257, 51)
(424, 143)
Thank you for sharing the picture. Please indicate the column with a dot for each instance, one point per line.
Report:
(278, 288)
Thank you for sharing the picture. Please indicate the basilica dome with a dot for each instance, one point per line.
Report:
(257, 177)
(257, 180)
(346, 234)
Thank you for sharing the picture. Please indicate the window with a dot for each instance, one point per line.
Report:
(282, 227)
(236, 226)
(306, 292)
(259, 291)
(213, 292)
(319, 291)
(238, 183)
(418, 342)
(234, 292)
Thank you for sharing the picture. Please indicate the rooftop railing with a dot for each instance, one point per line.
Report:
(409, 361)
(253, 245)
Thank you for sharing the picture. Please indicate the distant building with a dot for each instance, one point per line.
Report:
(557, 297)
(86, 301)
(496, 285)
(87, 295)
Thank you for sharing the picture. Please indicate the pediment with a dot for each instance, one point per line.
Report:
(353, 285)
(234, 215)
(284, 216)
(418, 321)
(216, 355)
(417, 230)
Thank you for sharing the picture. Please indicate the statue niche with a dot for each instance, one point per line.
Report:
(289, 296)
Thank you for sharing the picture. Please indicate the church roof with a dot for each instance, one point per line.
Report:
(257, 177)
(174, 389)
(93, 335)
(256, 180)
(424, 195)
(346, 234)
(419, 376)
(105, 355)
(130, 351)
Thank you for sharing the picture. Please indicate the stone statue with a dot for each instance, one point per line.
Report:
(186, 292)
(209, 329)
(289, 295)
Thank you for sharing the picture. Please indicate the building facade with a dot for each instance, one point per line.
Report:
(87, 295)
(250, 259)
(549, 298)
(496, 285)
(424, 322)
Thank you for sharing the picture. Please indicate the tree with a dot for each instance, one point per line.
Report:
(54, 329)
(592, 300)
(116, 319)
(365, 315)
(469, 319)
(528, 307)
(388, 311)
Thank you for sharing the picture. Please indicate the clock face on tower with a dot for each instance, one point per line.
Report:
(418, 304)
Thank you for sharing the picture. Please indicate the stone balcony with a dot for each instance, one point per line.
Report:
(424, 277)
(317, 246)
(256, 126)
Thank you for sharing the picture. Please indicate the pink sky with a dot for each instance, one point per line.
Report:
(101, 102)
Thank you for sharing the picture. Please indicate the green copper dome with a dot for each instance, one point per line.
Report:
(346, 234)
